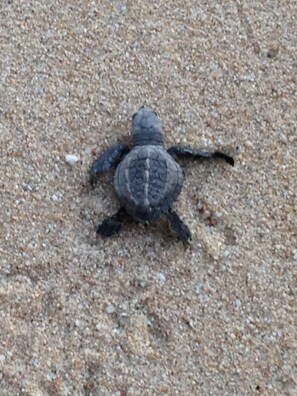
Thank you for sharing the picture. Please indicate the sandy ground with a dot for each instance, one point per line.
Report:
(142, 314)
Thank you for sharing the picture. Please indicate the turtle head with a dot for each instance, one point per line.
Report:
(146, 128)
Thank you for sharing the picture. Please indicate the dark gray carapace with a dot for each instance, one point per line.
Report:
(148, 181)
(148, 178)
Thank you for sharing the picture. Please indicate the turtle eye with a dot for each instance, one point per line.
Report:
(133, 116)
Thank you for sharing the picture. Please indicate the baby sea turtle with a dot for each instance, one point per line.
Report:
(148, 179)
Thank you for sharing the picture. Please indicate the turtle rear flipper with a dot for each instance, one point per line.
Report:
(178, 227)
(113, 224)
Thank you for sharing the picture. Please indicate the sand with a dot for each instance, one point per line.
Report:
(141, 313)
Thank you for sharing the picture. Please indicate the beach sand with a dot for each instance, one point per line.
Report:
(141, 313)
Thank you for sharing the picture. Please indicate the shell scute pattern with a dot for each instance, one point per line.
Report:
(147, 180)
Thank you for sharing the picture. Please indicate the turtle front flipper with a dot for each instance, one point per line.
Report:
(106, 160)
(189, 152)
(178, 227)
(113, 224)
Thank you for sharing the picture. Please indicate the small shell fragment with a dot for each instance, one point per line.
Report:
(71, 159)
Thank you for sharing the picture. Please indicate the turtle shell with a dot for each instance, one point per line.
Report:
(148, 181)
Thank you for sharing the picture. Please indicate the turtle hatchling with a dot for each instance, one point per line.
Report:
(148, 178)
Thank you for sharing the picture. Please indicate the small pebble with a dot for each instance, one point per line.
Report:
(110, 309)
(273, 50)
(71, 159)
(226, 253)
(161, 278)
